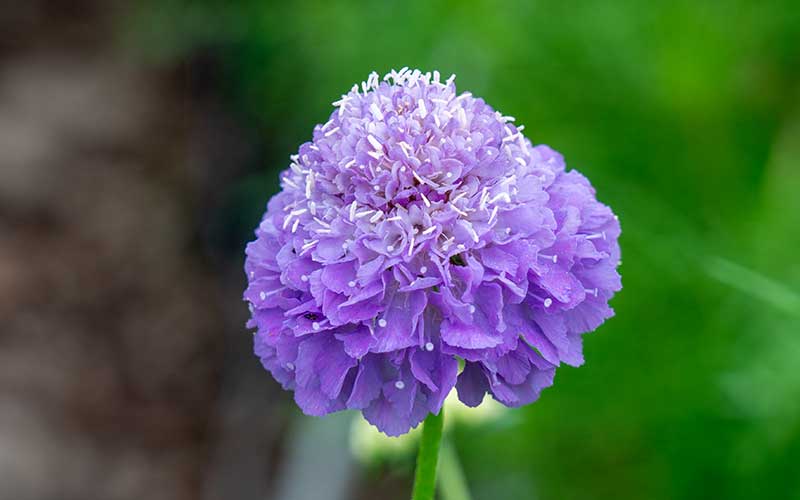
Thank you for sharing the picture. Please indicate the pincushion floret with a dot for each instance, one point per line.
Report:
(417, 228)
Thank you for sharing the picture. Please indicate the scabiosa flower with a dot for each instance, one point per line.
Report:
(417, 228)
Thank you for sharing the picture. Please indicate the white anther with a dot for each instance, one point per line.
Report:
(353, 207)
(290, 366)
(423, 111)
(351, 284)
(400, 385)
(548, 302)
(375, 143)
(423, 270)
(425, 199)
(315, 326)
(471, 309)
(597, 236)
(382, 323)
(429, 346)
(390, 248)
(263, 295)
(304, 278)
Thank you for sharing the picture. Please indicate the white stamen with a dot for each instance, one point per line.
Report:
(374, 154)
(471, 309)
(548, 302)
(375, 218)
(423, 111)
(382, 323)
(400, 385)
(596, 236)
(364, 213)
(502, 196)
(315, 326)
(459, 211)
(353, 207)
(493, 214)
(375, 143)
(390, 248)
(554, 258)
(350, 163)
(429, 230)
(262, 295)
(290, 366)
(351, 284)
(392, 219)
(304, 278)
(429, 346)
(294, 226)
(331, 131)
(458, 196)
(309, 184)
(376, 112)
(423, 270)
(425, 199)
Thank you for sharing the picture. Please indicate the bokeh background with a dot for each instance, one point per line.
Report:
(140, 141)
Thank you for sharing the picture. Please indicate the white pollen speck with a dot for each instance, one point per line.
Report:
(263, 295)
(460, 246)
(548, 302)
(403, 169)
(448, 174)
(252, 273)
(471, 309)
(382, 323)
(315, 325)
(344, 245)
(423, 270)
(290, 366)
(400, 385)
(376, 188)
(429, 346)
(351, 284)
(304, 278)
(390, 248)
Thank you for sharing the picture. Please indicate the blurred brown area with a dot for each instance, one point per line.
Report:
(112, 314)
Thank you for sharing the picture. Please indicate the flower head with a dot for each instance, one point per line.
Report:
(419, 226)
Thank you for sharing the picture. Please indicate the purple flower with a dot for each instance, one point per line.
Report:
(420, 227)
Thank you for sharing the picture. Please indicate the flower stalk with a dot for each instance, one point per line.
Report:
(428, 457)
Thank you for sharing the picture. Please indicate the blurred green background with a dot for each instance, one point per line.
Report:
(142, 140)
(686, 117)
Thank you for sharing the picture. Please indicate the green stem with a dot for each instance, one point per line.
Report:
(428, 456)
